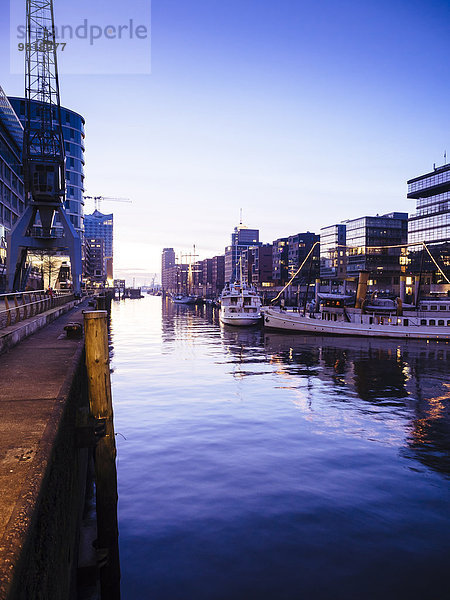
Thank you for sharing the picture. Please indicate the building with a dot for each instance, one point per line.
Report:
(167, 264)
(73, 133)
(333, 252)
(95, 259)
(218, 274)
(430, 224)
(207, 270)
(370, 242)
(100, 226)
(260, 265)
(280, 261)
(299, 246)
(197, 276)
(12, 201)
(241, 239)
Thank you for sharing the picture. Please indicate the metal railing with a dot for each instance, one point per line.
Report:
(18, 306)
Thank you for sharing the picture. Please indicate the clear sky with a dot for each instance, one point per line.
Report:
(302, 113)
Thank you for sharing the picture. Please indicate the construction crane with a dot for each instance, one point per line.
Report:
(43, 156)
(99, 199)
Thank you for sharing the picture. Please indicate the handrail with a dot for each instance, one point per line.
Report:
(27, 304)
(54, 292)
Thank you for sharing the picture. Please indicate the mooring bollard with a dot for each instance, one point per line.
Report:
(100, 401)
(101, 302)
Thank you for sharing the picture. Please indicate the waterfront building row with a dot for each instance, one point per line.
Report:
(388, 247)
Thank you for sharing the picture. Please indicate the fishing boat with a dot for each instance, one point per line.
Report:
(240, 305)
(430, 320)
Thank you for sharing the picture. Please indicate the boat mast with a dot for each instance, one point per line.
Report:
(417, 299)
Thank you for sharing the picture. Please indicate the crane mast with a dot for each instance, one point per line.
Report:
(43, 154)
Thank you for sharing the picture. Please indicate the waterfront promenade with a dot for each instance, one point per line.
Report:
(38, 490)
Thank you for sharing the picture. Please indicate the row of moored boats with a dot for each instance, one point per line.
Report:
(240, 305)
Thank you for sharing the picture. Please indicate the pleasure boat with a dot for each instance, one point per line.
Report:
(431, 320)
(239, 305)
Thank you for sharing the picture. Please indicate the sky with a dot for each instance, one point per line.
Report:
(301, 113)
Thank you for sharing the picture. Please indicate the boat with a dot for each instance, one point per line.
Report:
(430, 320)
(183, 299)
(240, 305)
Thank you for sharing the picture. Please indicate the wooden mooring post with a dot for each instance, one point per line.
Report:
(100, 401)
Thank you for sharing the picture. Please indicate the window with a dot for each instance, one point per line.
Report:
(441, 323)
(432, 322)
(433, 307)
(443, 307)
(423, 321)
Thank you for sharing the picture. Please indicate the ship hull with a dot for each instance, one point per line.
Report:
(240, 321)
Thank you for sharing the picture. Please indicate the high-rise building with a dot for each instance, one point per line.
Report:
(332, 252)
(430, 224)
(241, 239)
(73, 133)
(100, 226)
(12, 202)
(370, 245)
(167, 264)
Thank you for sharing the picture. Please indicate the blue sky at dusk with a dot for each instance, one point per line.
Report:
(303, 114)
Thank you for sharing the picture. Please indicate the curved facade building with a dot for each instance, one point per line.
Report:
(11, 179)
(73, 132)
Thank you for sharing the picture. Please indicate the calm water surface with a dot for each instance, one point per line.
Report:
(270, 466)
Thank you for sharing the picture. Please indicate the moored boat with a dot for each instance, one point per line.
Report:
(430, 321)
(240, 305)
(183, 299)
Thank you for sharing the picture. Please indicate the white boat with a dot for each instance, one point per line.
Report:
(239, 305)
(431, 321)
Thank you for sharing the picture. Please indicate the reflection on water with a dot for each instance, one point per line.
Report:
(265, 465)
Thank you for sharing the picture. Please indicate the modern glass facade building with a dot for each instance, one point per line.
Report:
(100, 226)
(332, 252)
(369, 241)
(73, 132)
(12, 201)
(430, 223)
(241, 239)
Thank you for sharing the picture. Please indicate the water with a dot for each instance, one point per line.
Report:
(270, 466)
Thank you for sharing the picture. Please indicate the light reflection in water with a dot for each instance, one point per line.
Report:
(263, 465)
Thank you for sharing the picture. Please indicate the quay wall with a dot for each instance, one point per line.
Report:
(39, 545)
